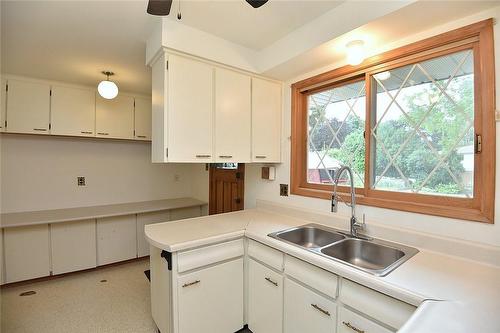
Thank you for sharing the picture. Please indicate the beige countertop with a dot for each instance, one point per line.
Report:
(452, 294)
(8, 220)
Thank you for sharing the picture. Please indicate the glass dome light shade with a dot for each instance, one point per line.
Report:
(107, 89)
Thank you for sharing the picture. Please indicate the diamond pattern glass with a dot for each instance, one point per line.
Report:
(336, 133)
(423, 130)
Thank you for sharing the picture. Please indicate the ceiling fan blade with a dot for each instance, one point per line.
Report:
(159, 7)
(256, 3)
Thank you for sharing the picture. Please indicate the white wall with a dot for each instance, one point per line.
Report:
(256, 188)
(39, 172)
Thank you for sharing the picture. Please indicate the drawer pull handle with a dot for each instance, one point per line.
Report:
(317, 307)
(39, 129)
(225, 156)
(141, 136)
(203, 156)
(86, 132)
(260, 156)
(271, 281)
(190, 283)
(102, 133)
(354, 328)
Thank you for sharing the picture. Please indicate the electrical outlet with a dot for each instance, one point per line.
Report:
(80, 181)
(284, 190)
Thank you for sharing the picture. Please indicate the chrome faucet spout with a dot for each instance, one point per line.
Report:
(354, 225)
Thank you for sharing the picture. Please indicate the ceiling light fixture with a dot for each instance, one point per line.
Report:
(355, 52)
(107, 89)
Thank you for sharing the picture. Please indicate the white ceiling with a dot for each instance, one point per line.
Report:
(238, 22)
(73, 41)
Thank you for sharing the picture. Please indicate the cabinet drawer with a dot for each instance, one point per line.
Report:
(307, 311)
(313, 276)
(266, 254)
(381, 307)
(208, 255)
(350, 322)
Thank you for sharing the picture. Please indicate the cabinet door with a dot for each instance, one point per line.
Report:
(116, 239)
(265, 299)
(350, 322)
(307, 311)
(142, 116)
(72, 111)
(115, 117)
(142, 220)
(28, 107)
(3, 103)
(185, 213)
(232, 116)
(190, 110)
(211, 299)
(266, 121)
(26, 252)
(73, 246)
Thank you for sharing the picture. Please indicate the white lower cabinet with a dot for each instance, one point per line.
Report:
(73, 246)
(116, 239)
(211, 299)
(142, 220)
(351, 322)
(185, 213)
(307, 311)
(265, 299)
(26, 252)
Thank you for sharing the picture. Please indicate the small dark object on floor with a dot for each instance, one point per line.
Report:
(103, 281)
(148, 274)
(28, 293)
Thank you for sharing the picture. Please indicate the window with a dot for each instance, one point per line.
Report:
(416, 126)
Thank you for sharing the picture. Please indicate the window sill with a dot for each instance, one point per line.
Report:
(455, 212)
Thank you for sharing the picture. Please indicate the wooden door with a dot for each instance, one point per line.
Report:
(226, 187)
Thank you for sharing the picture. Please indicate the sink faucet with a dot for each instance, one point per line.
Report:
(355, 225)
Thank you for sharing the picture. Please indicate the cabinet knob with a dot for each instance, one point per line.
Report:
(40, 129)
(87, 132)
(260, 156)
(102, 133)
(317, 307)
(190, 283)
(203, 156)
(354, 328)
(141, 136)
(225, 156)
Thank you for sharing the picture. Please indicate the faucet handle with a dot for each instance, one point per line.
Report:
(334, 204)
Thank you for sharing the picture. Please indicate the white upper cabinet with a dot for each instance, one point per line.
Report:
(266, 121)
(72, 111)
(142, 116)
(3, 104)
(232, 116)
(115, 117)
(28, 107)
(190, 110)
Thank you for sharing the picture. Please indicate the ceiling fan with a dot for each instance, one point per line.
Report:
(162, 7)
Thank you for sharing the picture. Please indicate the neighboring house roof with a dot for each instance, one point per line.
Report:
(468, 157)
(466, 150)
(314, 161)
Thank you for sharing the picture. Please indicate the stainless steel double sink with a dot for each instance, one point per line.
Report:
(370, 255)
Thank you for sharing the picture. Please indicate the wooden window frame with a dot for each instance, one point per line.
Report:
(479, 38)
